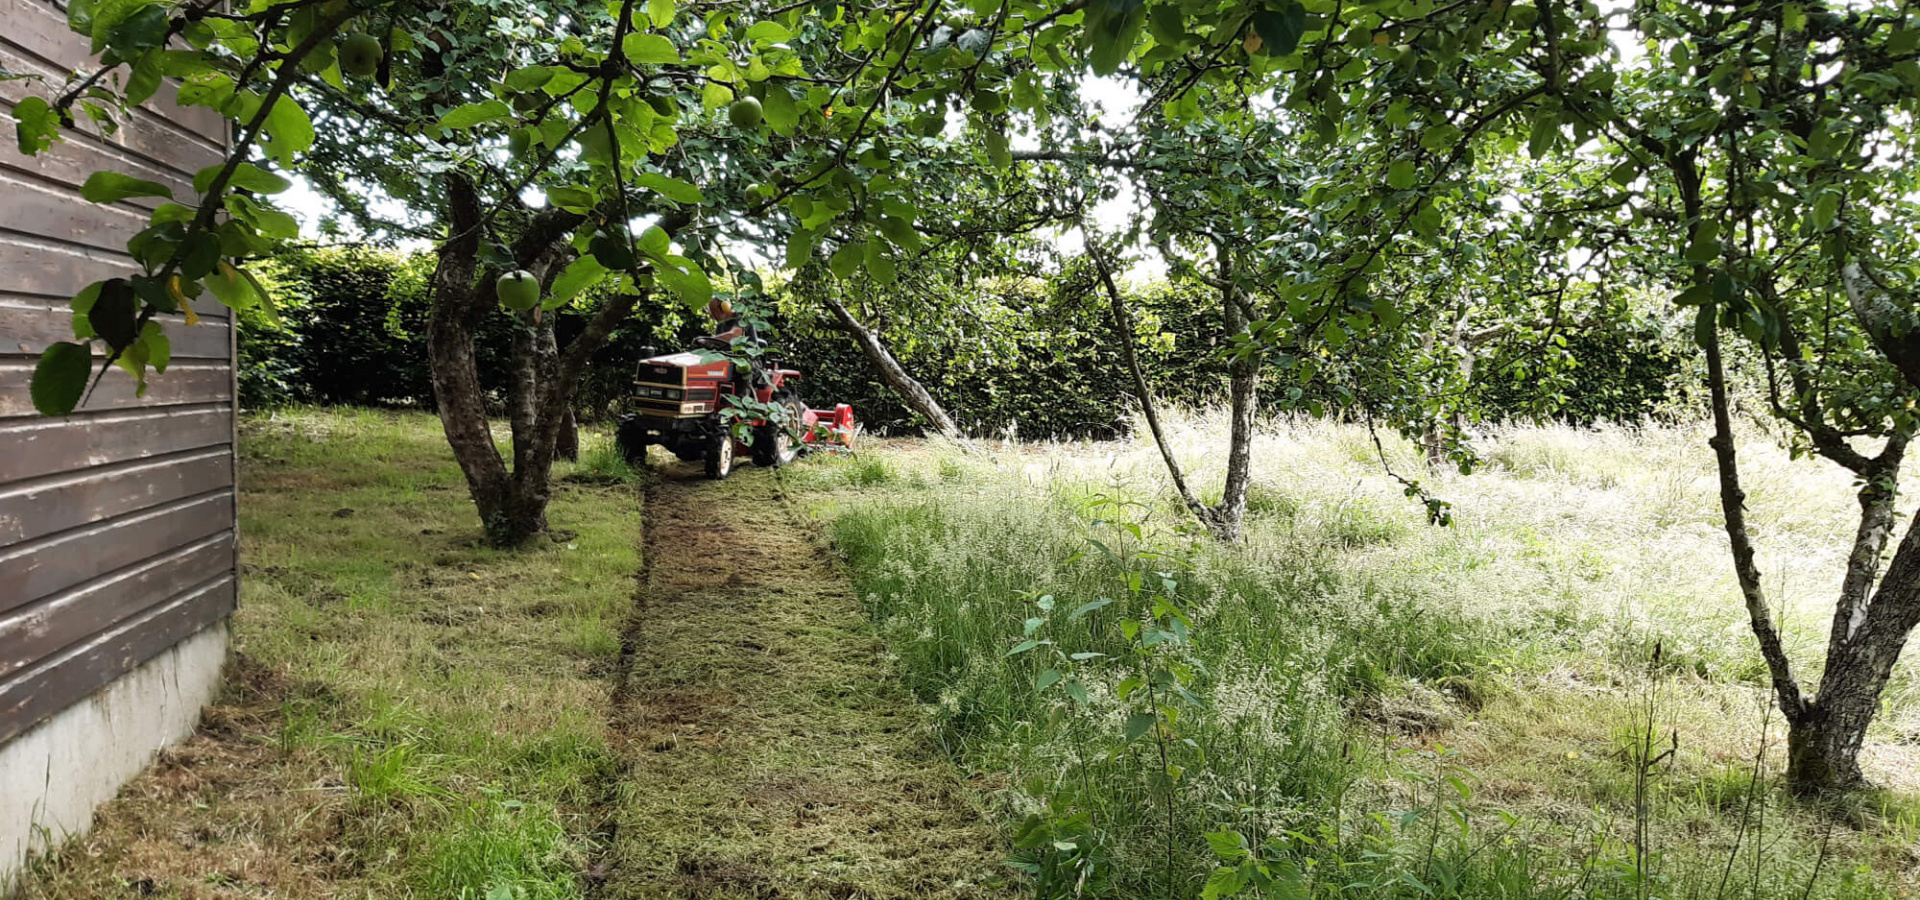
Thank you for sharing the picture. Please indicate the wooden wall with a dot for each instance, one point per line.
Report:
(117, 522)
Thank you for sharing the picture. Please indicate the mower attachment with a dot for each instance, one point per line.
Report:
(832, 429)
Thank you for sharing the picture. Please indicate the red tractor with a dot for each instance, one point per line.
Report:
(677, 403)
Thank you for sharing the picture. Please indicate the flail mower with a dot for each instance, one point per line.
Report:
(677, 404)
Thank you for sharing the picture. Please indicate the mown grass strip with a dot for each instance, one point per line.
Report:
(409, 712)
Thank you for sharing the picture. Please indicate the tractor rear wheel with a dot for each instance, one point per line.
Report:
(719, 455)
(773, 444)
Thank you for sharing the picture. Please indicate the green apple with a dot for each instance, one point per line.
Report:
(745, 113)
(360, 55)
(518, 290)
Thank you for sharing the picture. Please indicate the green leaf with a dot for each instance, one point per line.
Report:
(654, 242)
(879, 262)
(846, 260)
(38, 126)
(1047, 678)
(1546, 131)
(474, 114)
(1280, 29)
(672, 188)
(686, 280)
(144, 78)
(1139, 724)
(649, 48)
(901, 232)
(530, 78)
(1703, 325)
(1111, 27)
(1229, 845)
(782, 114)
(1088, 607)
(290, 130)
(660, 12)
(232, 289)
(580, 274)
(800, 247)
(1400, 175)
(1705, 246)
(1826, 209)
(1023, 647)
(159, 348)
(111, 187)
(114, 314)
(1223, 882)
(571, 199)
(997, 150)
(246, 176)
(1440, 139)
(140, 32)
(60, 378)
(767, 31)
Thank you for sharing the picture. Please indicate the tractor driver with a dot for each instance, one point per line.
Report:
(732, 326)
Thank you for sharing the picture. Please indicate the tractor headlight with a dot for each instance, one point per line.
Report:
(661, 393)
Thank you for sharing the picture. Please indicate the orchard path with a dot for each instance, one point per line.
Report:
(769, 753)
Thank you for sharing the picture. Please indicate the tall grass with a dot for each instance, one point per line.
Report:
(1176, 717)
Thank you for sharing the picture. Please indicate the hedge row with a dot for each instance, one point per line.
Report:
(355, 333)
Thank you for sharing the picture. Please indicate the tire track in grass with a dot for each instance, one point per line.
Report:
(769, 751)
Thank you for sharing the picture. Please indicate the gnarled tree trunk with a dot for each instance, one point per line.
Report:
(512, 502)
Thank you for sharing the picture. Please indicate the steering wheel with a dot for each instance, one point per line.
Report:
(709, 342)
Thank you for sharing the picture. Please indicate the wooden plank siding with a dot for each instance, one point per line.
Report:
(117, 523)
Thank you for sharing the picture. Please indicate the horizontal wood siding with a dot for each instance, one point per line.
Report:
(117, 527)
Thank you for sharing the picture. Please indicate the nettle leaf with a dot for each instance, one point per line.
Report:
(60, 378)
(1139, 724)
(672, 188)
(112, 187)
(475, 114)
(649, 48)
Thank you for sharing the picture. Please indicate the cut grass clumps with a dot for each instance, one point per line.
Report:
(409, 712)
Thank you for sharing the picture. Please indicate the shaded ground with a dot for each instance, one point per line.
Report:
(769, 751)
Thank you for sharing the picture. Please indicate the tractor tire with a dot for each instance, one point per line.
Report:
(773, 445)
(719, 456)
(631, 438)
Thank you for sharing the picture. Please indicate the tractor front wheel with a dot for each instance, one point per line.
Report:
(719, 455)
(631, 438)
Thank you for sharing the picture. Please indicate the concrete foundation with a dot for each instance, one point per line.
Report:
(52, 776)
